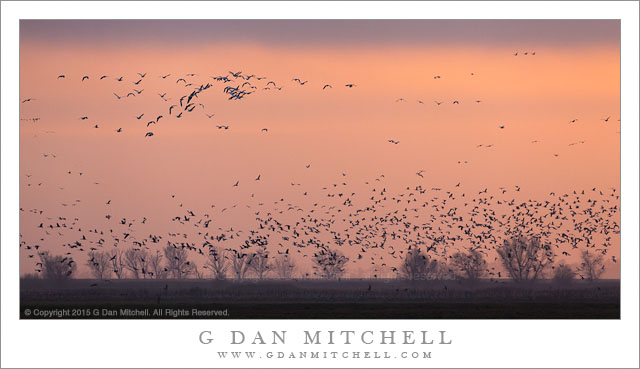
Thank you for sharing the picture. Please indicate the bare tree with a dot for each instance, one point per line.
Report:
(418, 266)
(240, 262)
(329, 264)
(592, 266)
(99, 264)
(218, 263)
(156, 268)
(260, 262)
(177, 262)
(137, 261)
(469, 265)
(117, 261)
(284, 266)
(525, 259)
(563, 274)
(57, 267)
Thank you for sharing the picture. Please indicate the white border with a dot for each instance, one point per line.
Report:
(174, 343)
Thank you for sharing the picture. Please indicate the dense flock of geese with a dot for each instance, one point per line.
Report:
(372, 225)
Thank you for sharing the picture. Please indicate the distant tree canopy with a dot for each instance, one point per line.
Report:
(57, 267)
(418, 266)
(217, 263)
(469, 265)
(592, 266)
(99, 264)
(240, 263)
(178, 263)
(260, 263)
(525, 259)
(284, 266)
(563, 273)
(137, 262)
(329, 264)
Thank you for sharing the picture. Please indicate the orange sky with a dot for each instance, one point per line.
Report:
(338, 130)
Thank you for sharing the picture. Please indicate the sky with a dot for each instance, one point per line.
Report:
(524, 126)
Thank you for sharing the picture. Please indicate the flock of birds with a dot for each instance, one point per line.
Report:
(372, 225)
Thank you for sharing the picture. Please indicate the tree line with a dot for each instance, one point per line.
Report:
(522, 259)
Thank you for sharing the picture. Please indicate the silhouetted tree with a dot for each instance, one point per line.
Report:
(525, 259)
(469, 265)
(99, 264)
(218, 263)
(56, 267)
(137, 261)
(240, 263)
(329, 264)
(592, 266)
(563, 274)
(156, 268)
(117, 263)
(418, 266)
(177, 262)
(284, 266)
(260, 262)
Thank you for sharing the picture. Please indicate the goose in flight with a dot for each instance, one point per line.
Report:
(119, 79)
(103, 77)
(438, 102)
(350, 85)
(85, 77)
(142, 75)
(393, 142)
(325, 86)
(138, 92)
(181, 79)
(606, 119)
(119, 130)
(419, 173)
(149, 134)
(236, 184)
(401, 99)
(27, 100)
(165, 77)
(61, 76)
(208, 115)
(264, 130)
(139, 116)
(456, 102)
(573, 121)
(116, 95)
(222, 127)
(257, 179)
(137, 82)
